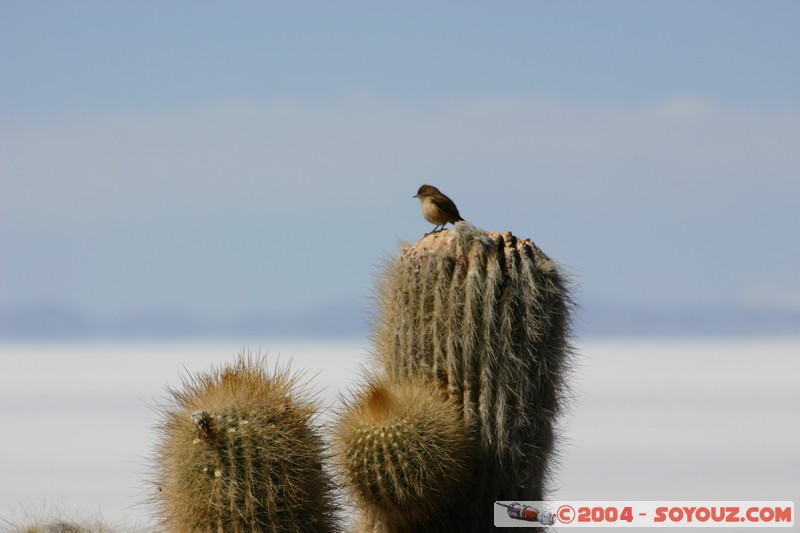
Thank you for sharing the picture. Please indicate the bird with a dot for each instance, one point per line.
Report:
(437, 208)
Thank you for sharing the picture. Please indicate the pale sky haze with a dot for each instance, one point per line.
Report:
(220, 159)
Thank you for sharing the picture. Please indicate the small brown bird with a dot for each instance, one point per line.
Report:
(436, 207)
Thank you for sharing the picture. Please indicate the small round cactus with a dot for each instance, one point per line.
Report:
(404, 451)
(238, 453)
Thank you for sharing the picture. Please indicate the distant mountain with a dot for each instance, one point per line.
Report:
(348, 319)
(341, 319)
(44, 322)
(604, 320)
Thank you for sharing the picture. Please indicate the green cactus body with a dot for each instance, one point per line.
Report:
(404, 451)
(485, 315)
(238, 454)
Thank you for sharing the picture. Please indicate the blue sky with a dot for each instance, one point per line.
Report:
(97, 57)
(227, 158)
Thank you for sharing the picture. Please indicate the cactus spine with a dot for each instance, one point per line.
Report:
(238, 453)
(486, 316)
(404, 450)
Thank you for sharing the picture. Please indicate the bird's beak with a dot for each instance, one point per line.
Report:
(415, 196)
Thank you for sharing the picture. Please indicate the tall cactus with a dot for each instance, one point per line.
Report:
(238, 454)
(486, 315)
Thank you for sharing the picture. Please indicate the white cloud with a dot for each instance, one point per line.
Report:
(771, 296)
(282, 151)
(682, 107)
(642, 202)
